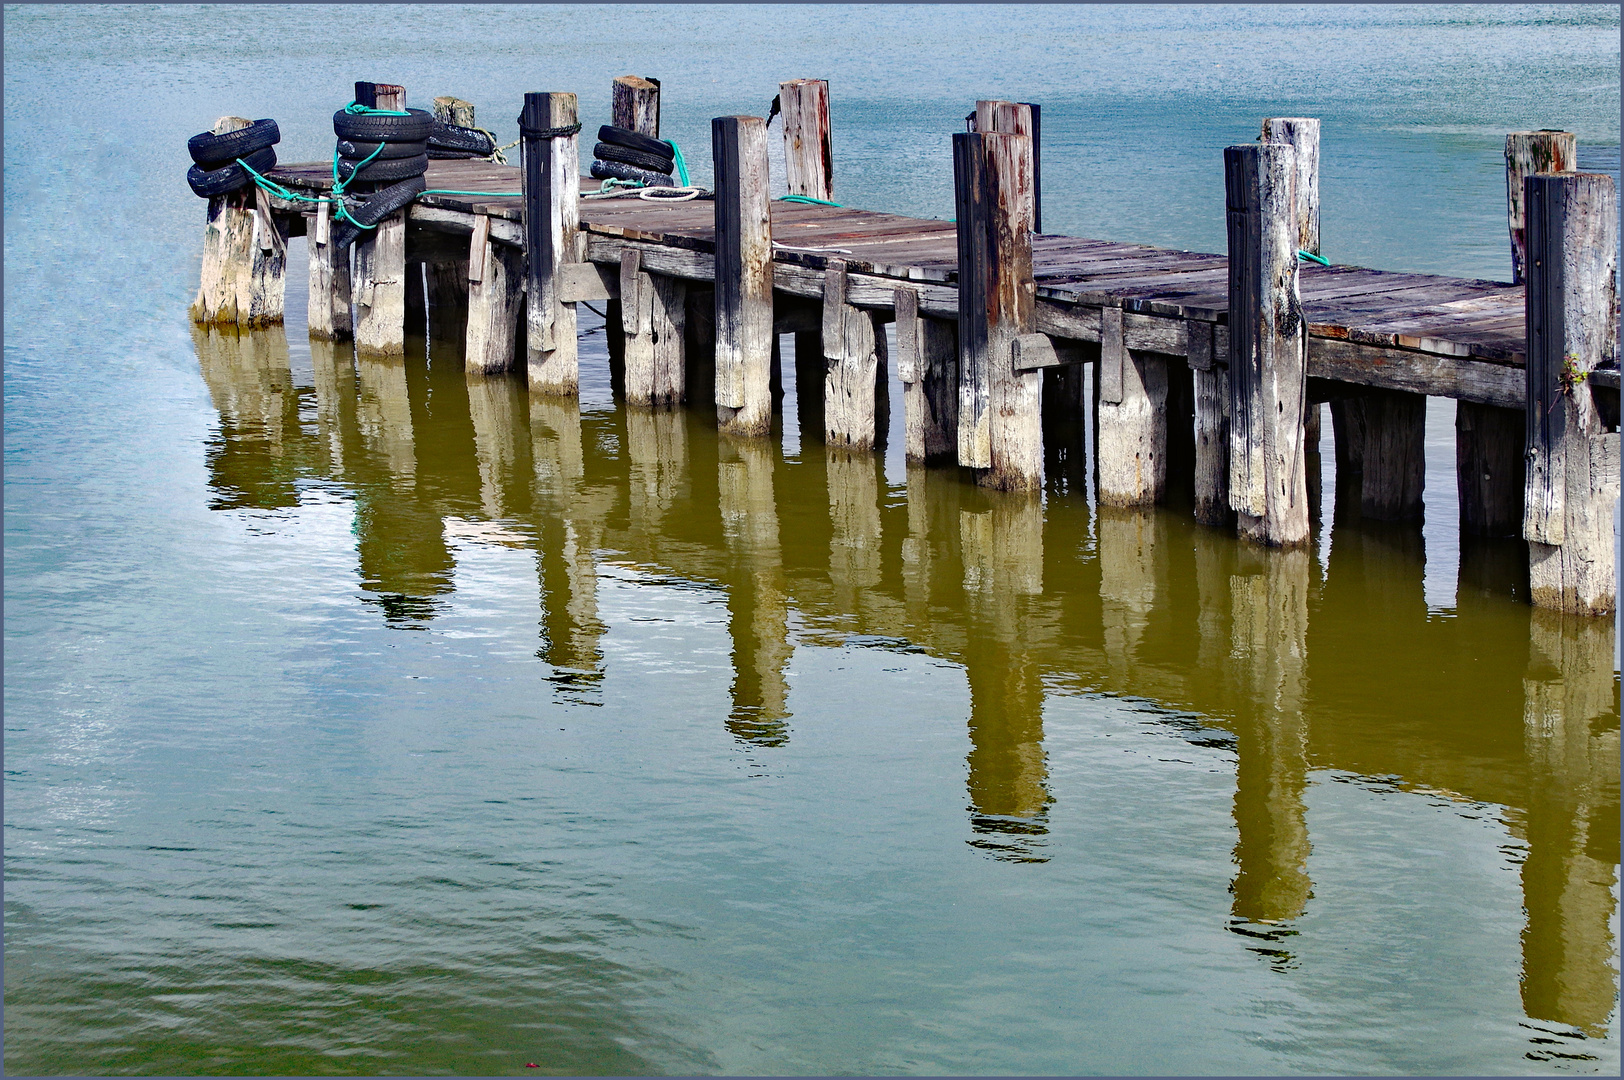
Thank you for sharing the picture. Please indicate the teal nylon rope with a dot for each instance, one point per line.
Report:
(809, 200)
(682, 166)
(355, 109)
(1311, 257)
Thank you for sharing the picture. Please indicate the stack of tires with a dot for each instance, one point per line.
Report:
(216, 171)
(391, 151)
(448, 142)
(623, 154)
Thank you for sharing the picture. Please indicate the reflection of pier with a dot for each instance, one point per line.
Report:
(1001, 583)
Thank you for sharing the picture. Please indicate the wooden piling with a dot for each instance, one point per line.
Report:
(1210, 375)
(1489, 468)
(1393, 460)
(1000, 416)
(328, 309)
(244, 256)
(1572, 479)
(1268, 357)
(380, 260)
(552, 185)
(1303, 135)
(454, 111)
(927, 365)
(744, 276)
(854, 354)
(495, 301)
(653, 318)
(1529, 153)
(809, 164)
(1130, 429)
(634, 104)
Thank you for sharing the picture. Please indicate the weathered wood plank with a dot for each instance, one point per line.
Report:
(495, 301)
(328, 306)
(1528, 153)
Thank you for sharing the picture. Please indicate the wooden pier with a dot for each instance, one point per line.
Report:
(1206, 366)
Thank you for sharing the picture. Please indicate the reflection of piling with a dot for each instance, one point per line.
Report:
(1269, 643)
(496, 405)
(251, 386)
(566, 531)
(757, 606)
(384, 413)
(1132, 557)
(1570, 731)
(333, 370)
(657, 452)
(854, 513)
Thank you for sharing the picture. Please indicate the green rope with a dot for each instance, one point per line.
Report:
(1311, 257)
(809, 200)
(356, 109)
(682, 166)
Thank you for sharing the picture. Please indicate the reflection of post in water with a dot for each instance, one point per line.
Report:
(758, 609)
(931, 545)
(657, 453)
(1570, 730)
(384, 412)
(255, 459)
(567, 534)
(334, 373)
(854, 514)
(496, 405)
(1133, 551)
(1008, 773)
(1269, 628)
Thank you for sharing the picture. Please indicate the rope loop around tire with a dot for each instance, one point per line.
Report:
(549, 132)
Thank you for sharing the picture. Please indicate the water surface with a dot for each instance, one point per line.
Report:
(369, 717)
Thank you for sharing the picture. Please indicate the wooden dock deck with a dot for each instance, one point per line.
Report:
(1406, 322)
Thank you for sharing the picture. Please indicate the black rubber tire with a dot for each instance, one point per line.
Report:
(381, 170)
(633, 140)
(207, 183)
(363, 128)
(614, 170)
(451, 137)
(356, 150)
(212, 151)
(379, 205)
(626, 156)
(436, 154)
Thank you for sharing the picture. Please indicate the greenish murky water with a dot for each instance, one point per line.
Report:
(371, 717)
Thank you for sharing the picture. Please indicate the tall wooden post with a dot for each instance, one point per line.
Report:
(1572, 472)
(552, 238)
(927, 364)
(744, 276)
(809, 164)
(1529, 153)
(1303, 135)
(634, 104)
(329, 302)
(1210, 374)
(244, 256)
(1000, 416)
(380, 260)
(1268, 356)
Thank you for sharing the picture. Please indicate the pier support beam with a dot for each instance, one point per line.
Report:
(1393, 460)
(244, 256)
(328, 309)
(1489, 469)
(1210, 374)
(380, 260)
(927, 364)
(1000, 425)
(1528, 153)
(1268, 356)
(653, 320)
(809, 164)
(495, 301)
(1130, 425)
(854, 367)
(744, 276)
(552, 238)
(1572, 479)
